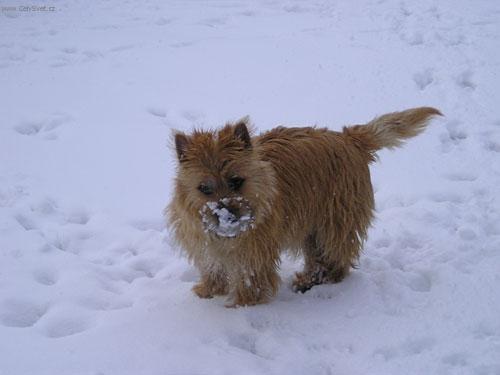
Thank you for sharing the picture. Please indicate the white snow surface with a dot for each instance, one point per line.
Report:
(90, 282)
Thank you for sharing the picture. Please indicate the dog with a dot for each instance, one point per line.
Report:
(240, 200)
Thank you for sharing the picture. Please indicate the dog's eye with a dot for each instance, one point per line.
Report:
(235, 182)
(205, 189)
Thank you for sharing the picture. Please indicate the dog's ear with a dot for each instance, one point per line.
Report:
(241, 131)
(181, 144)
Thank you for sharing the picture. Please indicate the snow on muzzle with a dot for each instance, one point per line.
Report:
(227, 217)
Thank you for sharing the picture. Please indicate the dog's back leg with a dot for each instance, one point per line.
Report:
(321, 265)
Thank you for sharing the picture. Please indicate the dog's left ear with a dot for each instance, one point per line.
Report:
(241, 131)
(181, 145)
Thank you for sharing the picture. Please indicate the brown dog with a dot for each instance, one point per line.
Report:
(240, 200)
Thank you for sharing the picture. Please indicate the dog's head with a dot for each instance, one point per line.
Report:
(221, 181)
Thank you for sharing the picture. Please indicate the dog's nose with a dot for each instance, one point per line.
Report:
(233, 211)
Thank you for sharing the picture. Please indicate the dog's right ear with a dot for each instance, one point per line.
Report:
(241, 131)
(181, 144)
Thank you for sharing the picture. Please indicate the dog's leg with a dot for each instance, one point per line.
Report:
(314, 267)
(214, 281)
(255, 288)
(322, 266)
(254, 283)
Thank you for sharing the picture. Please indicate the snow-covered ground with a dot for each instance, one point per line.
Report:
(90, 282)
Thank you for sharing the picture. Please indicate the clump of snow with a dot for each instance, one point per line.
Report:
(227, 217)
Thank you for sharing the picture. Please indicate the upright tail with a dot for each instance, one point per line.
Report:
(392, 129)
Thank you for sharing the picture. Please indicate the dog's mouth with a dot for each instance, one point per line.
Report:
(227, 217)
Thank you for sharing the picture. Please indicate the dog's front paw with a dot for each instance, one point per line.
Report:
(302, 282)
(249, 297)
(202, 290)
(231, 305)
(243, 303)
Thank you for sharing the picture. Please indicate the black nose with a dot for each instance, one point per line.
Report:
(234, 211)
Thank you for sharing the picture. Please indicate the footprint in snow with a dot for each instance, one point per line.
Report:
(467, 234)
(69, 50)
(261, 321)
(213, 22)
(134, 269)
(416, 346)
(147, 267)
(461, 176)
(62, 243)
(45, 276)
(60, 62)
(415, 39)
(419, 282)
(46, 127)
(45, 206)
(92, 55)
(492, 146)
(62, 323)
(125, 252)
(383, 242)
(193, 116)
(78, 217)
(405, 12)
(18, 56)
(454, 135)
(455, 132)
(162, 21)
(29, 127)
(25, 222)
(410, 347)
(487, 330)
(465, 81)
(146, 225)
(247, 13)
(105, 303)
(450, 40)
(296, 9)
(122, 47)
(20, 313)
(489, 369)
(448, 197)
(157, 111)
(423, 79)
(491, 141)
(182, 44)
(243, 341)
(458, 359)
(409, 240)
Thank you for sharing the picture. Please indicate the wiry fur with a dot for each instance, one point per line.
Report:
(310, 192)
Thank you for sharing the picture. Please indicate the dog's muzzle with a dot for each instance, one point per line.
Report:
(227, 217)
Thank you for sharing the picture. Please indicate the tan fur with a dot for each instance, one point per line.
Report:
(309, 190)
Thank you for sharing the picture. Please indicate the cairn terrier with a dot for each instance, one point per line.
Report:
(240, 200)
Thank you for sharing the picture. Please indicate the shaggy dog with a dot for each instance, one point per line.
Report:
(240, 201)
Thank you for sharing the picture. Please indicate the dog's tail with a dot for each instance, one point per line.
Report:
(392, 129)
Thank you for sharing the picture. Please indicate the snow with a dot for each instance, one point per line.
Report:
(90, 281)
(218, 219)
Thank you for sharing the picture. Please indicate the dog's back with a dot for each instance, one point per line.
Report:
(325, 190)
(324, 184)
